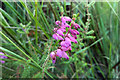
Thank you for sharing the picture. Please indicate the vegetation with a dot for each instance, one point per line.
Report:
(26, 39)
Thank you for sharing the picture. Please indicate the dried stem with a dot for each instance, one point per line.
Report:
(46, 60)
(88, 18)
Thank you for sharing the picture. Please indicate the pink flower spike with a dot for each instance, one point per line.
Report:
(57, 22)
(64, 55)
(66, 37)
(59, 52)
(52, 55)
(60, 32)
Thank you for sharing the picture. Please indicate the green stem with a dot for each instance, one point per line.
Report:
(20, 49)
(36, 22)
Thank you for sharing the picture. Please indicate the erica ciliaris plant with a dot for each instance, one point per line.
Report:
(66, 33)
(33, 58)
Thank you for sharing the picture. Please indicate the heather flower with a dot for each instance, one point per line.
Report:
(55, 29)
(64, 19)
(74, 32)
(62, 29)
(66, 43)
(59, 53)
(57, 37)
(63, 43)
(75, 25)
(66, 38)
(2, 57)
(57, 22)
(64, 55)
(52, 55)
(60, 32)
(66, 48)
(72, 38)
(64, 25)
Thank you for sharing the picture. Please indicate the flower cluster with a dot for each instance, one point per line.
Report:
(65, 37)
(2, 57)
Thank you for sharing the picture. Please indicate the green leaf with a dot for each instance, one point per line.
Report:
(90, 32)
(8, 17)
(89, 37)
(12, 53)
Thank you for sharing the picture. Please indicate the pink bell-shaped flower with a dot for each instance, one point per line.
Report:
(74, 31)
(72, 38)
(57, 22)
(75, 25)
(59, 53)
(57, 37)
(65, 18)
(55, 29)
(62, 29)
(66, 48)
(68, 41)
(60, 32)
(64, 55)
(53, 56)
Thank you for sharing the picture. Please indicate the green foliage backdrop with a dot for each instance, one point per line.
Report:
(95, 56)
